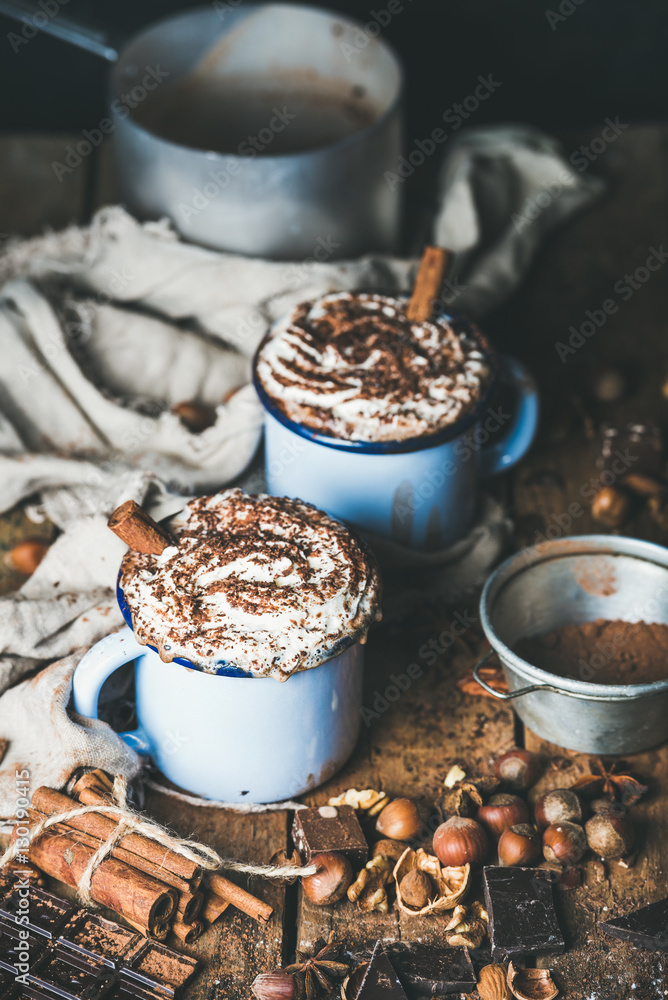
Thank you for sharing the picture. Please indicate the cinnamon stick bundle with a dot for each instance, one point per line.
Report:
(145, 855)
(96, 788)
(143, 901)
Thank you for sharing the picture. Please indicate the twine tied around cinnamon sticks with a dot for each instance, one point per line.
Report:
(127, 821)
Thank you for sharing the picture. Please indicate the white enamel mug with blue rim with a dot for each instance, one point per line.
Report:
(230, 736)
(420, 493)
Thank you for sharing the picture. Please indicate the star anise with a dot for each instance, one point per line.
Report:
(611, 780)
(315, 973)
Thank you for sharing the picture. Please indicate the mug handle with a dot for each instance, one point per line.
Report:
(517, 440)
(95, 667)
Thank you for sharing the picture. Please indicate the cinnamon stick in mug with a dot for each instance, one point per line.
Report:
(138, 529)
(428, 284)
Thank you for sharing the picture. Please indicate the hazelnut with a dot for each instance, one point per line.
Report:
(611, 507)
(277, 985)
(460, 841)
(501, 812)
(519, 845)
(608, 806)
(392, 849)
(518, 768)
(195, 416)
(560, 805)
(330, 883)
(26, 556)
(607, 384)
(416, 888)
(610, 835)
(564, 843)
(400, 820)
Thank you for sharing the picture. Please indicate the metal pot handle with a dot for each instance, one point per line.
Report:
(502, 696)
(92, 40)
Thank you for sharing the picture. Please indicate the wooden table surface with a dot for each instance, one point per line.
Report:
(407, 750)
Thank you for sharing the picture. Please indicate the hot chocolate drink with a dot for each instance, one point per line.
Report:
(264, 584)
(353, 366)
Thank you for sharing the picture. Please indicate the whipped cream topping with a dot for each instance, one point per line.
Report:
(263, 584)
(353, 366)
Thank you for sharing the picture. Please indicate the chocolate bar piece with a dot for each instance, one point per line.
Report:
(647, 927)
(428, 971)
(631, 448)
(46, 913)
(522, 918)
(90, 934)
(380, 981)
(330, 828)
(70, 952)
(70, 976)
(154, 964)
(13, 947)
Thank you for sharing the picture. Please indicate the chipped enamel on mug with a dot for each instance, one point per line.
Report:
(232, 737)
(573, 581)
(420, 493)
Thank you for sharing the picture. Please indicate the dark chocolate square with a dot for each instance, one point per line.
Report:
(646, 927)
(71, 976)
(90, 934)
(330, 828)
(45, 913)
(429, 971)
(156, 966)
(14, 946)
(522, 918)
(380, 980)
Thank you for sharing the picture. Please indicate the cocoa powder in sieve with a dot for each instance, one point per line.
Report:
(601, 652)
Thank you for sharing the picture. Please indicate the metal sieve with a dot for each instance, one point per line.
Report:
(573, 581)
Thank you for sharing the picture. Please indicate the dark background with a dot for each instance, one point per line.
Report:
(606, 58)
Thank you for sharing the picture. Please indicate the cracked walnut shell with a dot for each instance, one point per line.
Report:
(451, 884)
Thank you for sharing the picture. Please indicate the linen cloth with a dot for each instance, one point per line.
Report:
(103, 329)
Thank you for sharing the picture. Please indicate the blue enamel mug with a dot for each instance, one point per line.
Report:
(230, 736)
(420, 493)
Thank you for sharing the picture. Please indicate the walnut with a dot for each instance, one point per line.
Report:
(368, 800)
(467, 926)
(368, 889)
(463, 796)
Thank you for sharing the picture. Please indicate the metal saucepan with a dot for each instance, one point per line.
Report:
(263, 129)
(573, 581)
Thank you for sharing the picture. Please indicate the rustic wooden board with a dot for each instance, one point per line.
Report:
(576, 273)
